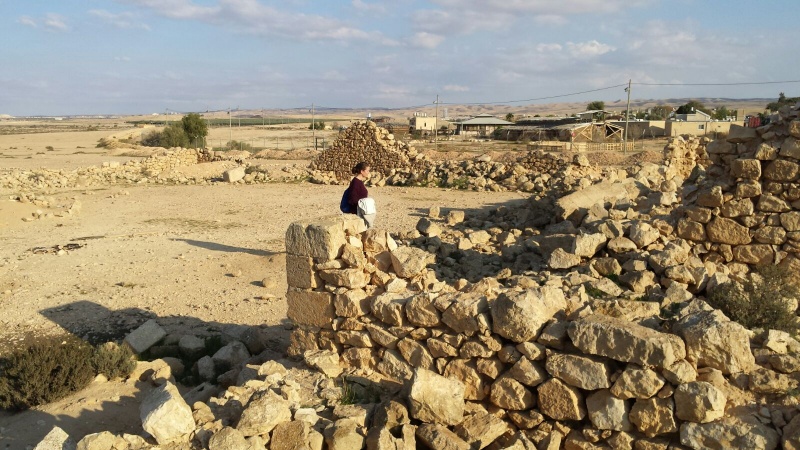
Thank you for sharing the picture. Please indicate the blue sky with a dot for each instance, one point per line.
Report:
(141, 56)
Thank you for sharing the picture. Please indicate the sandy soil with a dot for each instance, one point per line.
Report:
(197, 258)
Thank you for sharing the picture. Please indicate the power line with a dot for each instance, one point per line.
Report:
(746, 83)
(539, 98)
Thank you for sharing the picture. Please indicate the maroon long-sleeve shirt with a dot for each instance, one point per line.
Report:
(357, 192)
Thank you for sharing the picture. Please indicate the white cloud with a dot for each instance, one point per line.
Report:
(122, 58)
(456, 88)
(548, 48)
(124, 20)
(588, 49)
(27, 21)
(550, 19)
(250, 16)
(426, 40)
(54, 22)
(50, 22)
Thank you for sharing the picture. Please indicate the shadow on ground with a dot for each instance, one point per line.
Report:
(114, 406)
(217, 247)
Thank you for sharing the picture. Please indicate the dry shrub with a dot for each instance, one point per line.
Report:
(760, 302)
(114, 361)
(45, 372)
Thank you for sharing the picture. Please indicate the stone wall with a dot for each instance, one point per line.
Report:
(747, 208)
(534, 364)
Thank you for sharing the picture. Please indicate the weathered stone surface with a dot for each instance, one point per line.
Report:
(691, 230)
(560, 259)
(421, 312)
(165, 415)
(228, 438)
(790, 147)
(737, 208)
(300, 272)
(233, 175)
(440, 438)
(759, 254)
(574, 206)
(791, 221)
(699, 401)
(323, 238)
(520, 316)
(465, 371)
(56, 439)
(623, 341)
(727, 231)
(739, 134)
(579, 371)
(637, 382)
(680, 372)
(436, 399)
(349, 278)
(389, 308)
(772, 204)
(145, 336)
(325, 361)
(727, 434)
(746, 168)
(508, 393)
(481, 429)
(527, 372)
(408, 262)
(263, 413)
(621, 245)
(560, 401)
(638, 280)
(608, 412)
(415, 353)
(714, 341)
(313, 308)
(344, 435)
(353, 303)
(781, 170)
(587, 245)
(462, 314)
(643, 234)
(654, 416)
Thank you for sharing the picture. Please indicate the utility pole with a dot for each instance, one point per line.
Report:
(627, 115)
(313, 127)
(436, 125)
(230, 125)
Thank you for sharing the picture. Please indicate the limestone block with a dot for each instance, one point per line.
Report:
(573, 207)
(560, 401)
(439, 437)
(233, 175)
(510, 394)
(322, 239)
(642, 234)
(344, 434)
(263, 413)
(415, 353)
(587, 245)
(772, 204)
(637, 382)
(607, 412)
(481, 429)
(465, 371)
(691, 230)
(790, 148)
(421, 312)
(348, 278)
(353, 303)
(165, 415)
(389, 308)
(738, 134)
(654, 416)
(759, 254)
(228, 438)
(699, 401)
(781, 170)
(408, 262)
(729, 433)
(579, 371)
(300, 272)
(746, 168)
(313, 308)
(520, 316)
(145, 336)
(462, 314)
(714, 341)
(56, 439)
(435, 399)
(624, 341)
(560, 259)
(728, 231)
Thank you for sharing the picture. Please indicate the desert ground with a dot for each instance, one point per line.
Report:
(197, 258)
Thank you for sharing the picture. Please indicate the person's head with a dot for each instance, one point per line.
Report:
(362, 169)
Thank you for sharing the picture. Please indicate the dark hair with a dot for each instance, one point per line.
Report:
(359, 167)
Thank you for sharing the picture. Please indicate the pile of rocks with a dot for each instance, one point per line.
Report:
(364, 141)
(536, 362)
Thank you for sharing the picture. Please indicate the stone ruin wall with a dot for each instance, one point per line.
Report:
(539, 361)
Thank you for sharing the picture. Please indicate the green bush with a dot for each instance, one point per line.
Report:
(45, 372)
(760, 302)
(113, 361)
(234, 145)
(317, 125)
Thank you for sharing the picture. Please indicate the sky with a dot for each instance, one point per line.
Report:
(69, 57)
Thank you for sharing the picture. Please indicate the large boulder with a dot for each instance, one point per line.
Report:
(624, 341)
(729, 433)
(520, 316)
(322, 239)
(435, 399)
(712, 340)
(165, 415)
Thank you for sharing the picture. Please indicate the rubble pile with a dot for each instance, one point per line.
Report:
(364, 141)
(539, 361)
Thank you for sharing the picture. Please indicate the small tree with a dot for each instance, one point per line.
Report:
(660, 112)
(722, 113)
(509, 117)
(597, 104)
(691, 107)
(174, 136)
(317, 125)
(782, 101)
(194, 126)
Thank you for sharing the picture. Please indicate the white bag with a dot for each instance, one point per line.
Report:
(366, 206)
